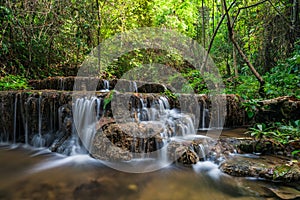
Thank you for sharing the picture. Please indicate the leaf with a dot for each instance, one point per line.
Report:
(260, 127)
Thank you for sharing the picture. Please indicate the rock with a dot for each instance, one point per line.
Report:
(119, 141)
(187, 157)
(268, 167)
(188, 151)
(285, 192)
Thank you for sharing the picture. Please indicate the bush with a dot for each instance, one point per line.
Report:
(12, 82)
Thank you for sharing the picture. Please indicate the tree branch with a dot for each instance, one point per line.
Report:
(213, 37)
(239, 49)
(246, 7)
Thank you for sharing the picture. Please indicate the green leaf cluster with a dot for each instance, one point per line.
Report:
(11, 82)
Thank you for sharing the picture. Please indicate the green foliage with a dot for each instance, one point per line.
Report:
(196, 81)
(40, 39)
(11, 82)
(277, 133)
(280, 171)
(284, 79)
(246, 86)
(170, 95)
(108, 98)
(296, 152)
(261, 131)
(250, 107)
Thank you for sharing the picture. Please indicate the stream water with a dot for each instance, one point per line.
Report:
(37, 173)
(31, 171)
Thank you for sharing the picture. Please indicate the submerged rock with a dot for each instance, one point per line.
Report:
(267, 167)
(286, 192)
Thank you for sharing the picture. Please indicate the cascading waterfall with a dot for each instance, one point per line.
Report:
(15, 118)
(133, 86)
(105, 86)
(85, 118)
(211, 117)
(38, 140)
(204, 116)
(61, 84)
(40, 116)
(174, 122)
(201, 152)
(24, 119)
(154, 111)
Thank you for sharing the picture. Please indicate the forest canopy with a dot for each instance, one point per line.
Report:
(254, 43)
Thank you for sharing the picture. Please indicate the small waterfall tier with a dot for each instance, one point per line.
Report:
(133, 126)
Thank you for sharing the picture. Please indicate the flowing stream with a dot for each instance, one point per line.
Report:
(29, 170)
(37, 173)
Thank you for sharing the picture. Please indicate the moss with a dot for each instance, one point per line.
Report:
(280, 171)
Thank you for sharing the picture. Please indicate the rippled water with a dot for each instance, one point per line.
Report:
(30, 173)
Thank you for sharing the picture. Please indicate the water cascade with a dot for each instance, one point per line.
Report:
(133, 86)
(46, 119)
(38, 139)
(105, 86)
(61, 83)
(15, 118)
(85, 118)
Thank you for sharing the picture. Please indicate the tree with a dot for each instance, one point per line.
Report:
(230, 26)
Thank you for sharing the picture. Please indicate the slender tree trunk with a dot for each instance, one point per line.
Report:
(228, 66)
(213, 38)
(98, 34)
(203, 24)
(236, 73)
(240, 51)
(213, 16)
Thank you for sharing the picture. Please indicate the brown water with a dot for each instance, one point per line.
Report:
(27, 173)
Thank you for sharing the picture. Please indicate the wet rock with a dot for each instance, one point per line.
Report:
(101, 188)
(189, 151)
(286, 192)
(104, 149)
(273, 110)
(119, 141)
(152, 88)
(268, 167)
(187, 157)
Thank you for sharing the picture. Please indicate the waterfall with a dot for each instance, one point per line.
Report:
(85, 119)
(165, 102)
(40, 116)
(201, 152)
(60, 117)
(15, 118)
(61, 84)
(204, 116)
(173, 123)
(163, 156)
(171, 118)
(38, 139)
(105, 86)
(133, 86)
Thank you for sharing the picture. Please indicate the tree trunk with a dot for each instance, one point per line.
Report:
(213, 37)
(98, 34)
(203, 25)
(236, 73)
(240, 51)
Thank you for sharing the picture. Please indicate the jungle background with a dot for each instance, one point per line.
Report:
(255, 44)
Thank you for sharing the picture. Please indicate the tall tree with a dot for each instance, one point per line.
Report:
(230, 26)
